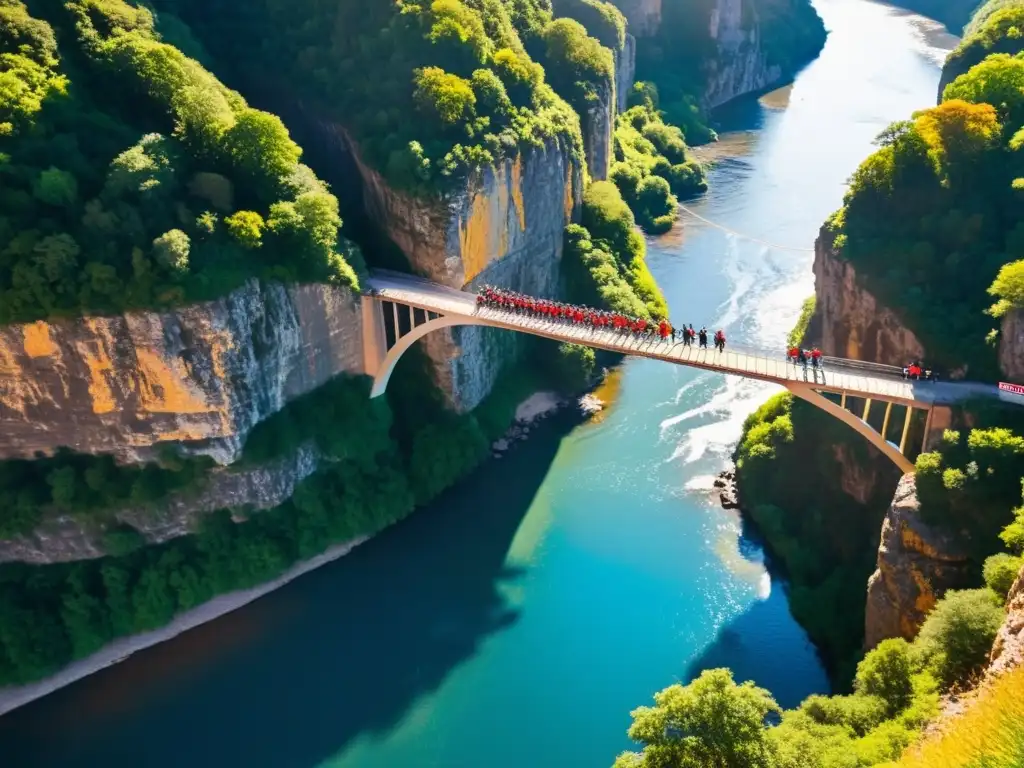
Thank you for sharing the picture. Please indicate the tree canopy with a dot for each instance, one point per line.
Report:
(121, 158)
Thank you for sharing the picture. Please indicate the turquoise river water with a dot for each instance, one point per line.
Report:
(520, 619)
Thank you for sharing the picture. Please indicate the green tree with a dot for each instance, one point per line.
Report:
(172, 249)
(259, 146)
(444, 96)
(1000, 571)
(957, 635)
(710, 722)
(887, 672)
(246, 227)
(56, 187)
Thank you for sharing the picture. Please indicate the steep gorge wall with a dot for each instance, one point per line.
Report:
(202, 375)
(740, 65)
(504, 226)
(848, 321)
(643, 16)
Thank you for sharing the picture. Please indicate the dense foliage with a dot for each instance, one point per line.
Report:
(131, 177)
(88, 486)
(602, 20)
(652, 163)
(995, 28)
(714, 721)
(932, 216)
(826, 541)
(604, 257)
(461, 69)
(970, 484)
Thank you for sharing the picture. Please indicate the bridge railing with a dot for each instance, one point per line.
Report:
(875, 369)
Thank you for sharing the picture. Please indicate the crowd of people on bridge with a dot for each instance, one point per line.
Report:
(800, 356)
(599, 319)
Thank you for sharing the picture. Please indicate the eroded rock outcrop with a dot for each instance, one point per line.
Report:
(202, 375)
(64, 538)
(848, 320)
(1011, 346)
(504, 226)
(916, 564)
(1008, 649)
(598, 124)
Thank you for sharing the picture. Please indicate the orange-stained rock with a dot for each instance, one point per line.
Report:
(503, 225)
(916, 564)
(203, 374)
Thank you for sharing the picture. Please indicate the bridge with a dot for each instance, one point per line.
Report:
(402, 309)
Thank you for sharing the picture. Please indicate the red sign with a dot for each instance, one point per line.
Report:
(1016, 389)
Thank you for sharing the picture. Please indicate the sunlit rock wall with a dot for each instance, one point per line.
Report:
(202, 375)
(916, 565)
(625, 71)
(504, 226)
(848, 320)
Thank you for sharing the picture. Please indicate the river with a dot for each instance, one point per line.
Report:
(518, 621)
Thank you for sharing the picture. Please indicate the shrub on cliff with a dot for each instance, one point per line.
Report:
(1000, 571)
(602, 19)
(323, 52)
(957, 635)
(604, 257)
(652, 165)
(995, 28)
(573, 367)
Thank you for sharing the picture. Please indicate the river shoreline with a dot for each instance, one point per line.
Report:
(13, 697)
(535, 408)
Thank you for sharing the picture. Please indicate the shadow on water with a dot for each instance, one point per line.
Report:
(404, 610)
(761, 632)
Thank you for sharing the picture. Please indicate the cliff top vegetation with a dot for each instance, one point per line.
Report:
(131, 177)
(933, 215)
(455, 86)
(996, 27)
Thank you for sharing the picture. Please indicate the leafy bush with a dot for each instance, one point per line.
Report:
(957, 635)
(711, 721)
(1000, 571)
(574, 366)
(652, 164)
(604, 257)
(887, 672)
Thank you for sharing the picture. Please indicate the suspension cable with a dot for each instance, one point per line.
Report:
(741, 235)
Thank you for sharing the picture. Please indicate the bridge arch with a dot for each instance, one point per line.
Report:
(804, 392)
(387, 365)
(443, 313)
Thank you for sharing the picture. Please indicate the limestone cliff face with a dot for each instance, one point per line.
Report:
(63, 538)
(1011, 346)
(740, 65)
(625, 72)
(504, 226)
(202, 375)
(1008, 649)
(598, 124)
(849, 321)
(643, 16)
(916, 565)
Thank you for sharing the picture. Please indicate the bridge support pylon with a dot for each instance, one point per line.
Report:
(806, 392)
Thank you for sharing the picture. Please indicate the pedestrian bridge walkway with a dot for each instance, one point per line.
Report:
(414, 307)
